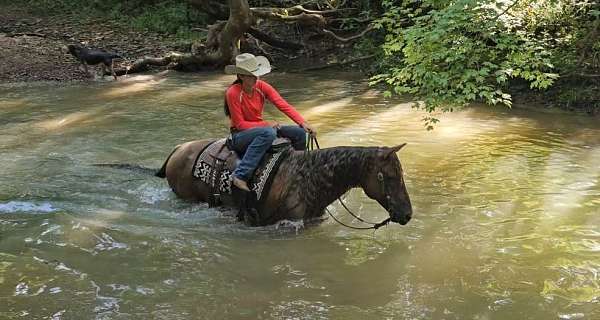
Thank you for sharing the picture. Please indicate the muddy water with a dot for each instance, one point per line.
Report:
(506, 211)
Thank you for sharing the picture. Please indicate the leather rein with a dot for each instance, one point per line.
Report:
(311, 143)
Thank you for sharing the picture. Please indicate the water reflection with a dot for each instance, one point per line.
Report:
(131, 87)
(506, 211)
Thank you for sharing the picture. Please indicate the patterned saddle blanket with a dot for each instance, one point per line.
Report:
(216, 163)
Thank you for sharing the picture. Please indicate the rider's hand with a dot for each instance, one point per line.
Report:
(275, 125)
(308, 128)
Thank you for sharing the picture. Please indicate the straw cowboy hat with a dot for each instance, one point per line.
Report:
(248, 64)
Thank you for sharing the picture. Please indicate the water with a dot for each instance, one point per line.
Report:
(506, 211)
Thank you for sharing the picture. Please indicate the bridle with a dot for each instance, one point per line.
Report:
(380, 177)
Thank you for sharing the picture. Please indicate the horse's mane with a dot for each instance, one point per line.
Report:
(326, 174)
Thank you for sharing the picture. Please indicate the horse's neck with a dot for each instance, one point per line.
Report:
(327, 174)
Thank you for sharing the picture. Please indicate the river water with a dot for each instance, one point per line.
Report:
(506, 203)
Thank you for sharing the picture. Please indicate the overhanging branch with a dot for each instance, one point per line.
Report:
(308, 19)
(274, 42)
(360, 35)
(335, 64)
(296, 10)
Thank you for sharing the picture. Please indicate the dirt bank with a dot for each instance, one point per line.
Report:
(31, 46)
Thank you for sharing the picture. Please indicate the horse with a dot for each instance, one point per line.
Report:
(306, 181)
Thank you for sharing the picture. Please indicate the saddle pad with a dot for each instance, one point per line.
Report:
(267, 168)
(205, 171)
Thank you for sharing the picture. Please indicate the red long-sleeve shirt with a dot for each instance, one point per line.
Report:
(246, 110)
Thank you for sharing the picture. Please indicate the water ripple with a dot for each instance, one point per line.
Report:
(26, 207)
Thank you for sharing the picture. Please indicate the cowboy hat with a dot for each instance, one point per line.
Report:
(249, 64)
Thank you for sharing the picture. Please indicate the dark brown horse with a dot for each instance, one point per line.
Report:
(306, 182)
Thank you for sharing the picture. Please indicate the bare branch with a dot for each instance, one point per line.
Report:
(581, 75)
(29, 34)
(336, 64)
(272, 41)
(506, 10)
(360, 35)
(308, 19)
(143, 64)
(296, 10)
(365, 20)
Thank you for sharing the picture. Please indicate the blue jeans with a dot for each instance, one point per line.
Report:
(253, 144)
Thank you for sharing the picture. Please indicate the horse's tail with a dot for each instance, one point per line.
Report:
(162, 172)
(127, 166)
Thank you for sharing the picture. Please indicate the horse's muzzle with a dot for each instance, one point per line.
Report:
(402, 221)
(402, 217)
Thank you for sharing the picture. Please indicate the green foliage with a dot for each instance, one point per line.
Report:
(451, 53)
(164, 18)
(579, 97)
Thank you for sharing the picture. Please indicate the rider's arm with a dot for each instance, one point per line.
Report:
(279, 102)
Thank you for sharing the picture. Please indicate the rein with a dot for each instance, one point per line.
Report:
(311, 146)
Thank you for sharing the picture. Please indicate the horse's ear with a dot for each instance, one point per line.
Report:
(386, 152)
(398, 147)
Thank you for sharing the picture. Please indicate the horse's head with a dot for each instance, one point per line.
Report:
(384, 183)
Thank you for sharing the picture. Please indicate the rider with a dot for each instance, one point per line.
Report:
(251, 135)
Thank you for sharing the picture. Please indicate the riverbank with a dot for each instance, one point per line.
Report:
(33, 49)
(32, 46)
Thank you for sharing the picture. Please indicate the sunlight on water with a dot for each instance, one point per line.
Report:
(70, 120)
(324, 108)
(214, 87)
(506, 211)
(460, 126)
(131, 88)
(12, 105)
(371, 126)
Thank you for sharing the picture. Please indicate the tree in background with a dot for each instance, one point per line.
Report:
(445, 53)
(451, 53)
(237, 22)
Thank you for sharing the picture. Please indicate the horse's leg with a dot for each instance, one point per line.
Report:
(250, 216)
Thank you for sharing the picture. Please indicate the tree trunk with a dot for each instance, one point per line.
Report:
(223, 39)
(240, 20)
(221, 46)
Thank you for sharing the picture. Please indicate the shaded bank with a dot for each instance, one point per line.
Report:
(31, 45)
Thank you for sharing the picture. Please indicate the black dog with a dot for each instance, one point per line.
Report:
(94, 57)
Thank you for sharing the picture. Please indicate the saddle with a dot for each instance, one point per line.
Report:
(215, 164)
